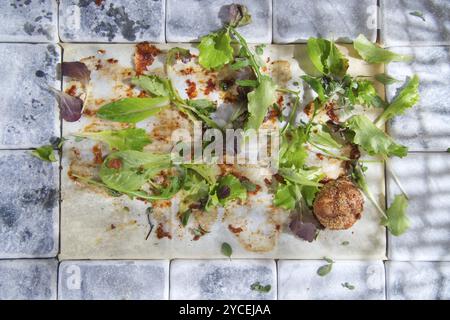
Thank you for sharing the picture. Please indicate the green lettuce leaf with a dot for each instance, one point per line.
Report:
(132, 110)
(316, 85)
(152, 84)
(286, 196)
(326, 57)
(177, 53)
(229, 188)
(259, 101)
(407, 98)
(292, 151)
(373, 140)
(302, 177)
(373, 53)
(45, 153)
(386, 79)
(396, 219)
(320, 136)
(215, 50)
(125, 139)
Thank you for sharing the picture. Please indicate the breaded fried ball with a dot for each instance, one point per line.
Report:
(339, 204)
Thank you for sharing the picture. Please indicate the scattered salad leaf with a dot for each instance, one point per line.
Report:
(396, 219)
(152, 84)
(303, 177)
(45, 153)
(321, 136)
(257, 286)
(76, 70)
(306, 231)
(418, 14)
(124, 139)
(373, 140)
(326, 57)
(132, 110)
(259, 102)
(235, 15)
(373, 53)
(386, 79)
(345, 243)
(215, 50)
(70, 107)
(226, 250)
(286, 196)
(407, 98)
(316, 85)
(348, 286)
(185, 217)
(177, 53)
(325, 269)
(259, 49)
(230, 188)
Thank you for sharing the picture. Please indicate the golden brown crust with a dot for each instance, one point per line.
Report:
(339, 204)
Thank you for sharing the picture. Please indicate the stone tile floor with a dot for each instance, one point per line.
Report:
(418, 262)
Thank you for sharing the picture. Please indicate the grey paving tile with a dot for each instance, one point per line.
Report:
(111, 21)
(400, 27)
(221, 279)
(424, 127)
(298, 279)
(418, 280)
(114, 280)
(29, 206)
(426, 179)
(188, 20)
(29, 112)
(29, 21)
(343, 21)
(28, 279)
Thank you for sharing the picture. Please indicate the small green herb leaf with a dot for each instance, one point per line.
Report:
(345, 243)
(257, 286)
(132, 110)
(324, 270)
(226, 250)
(348, 286)
(259, 101)
(45, 153)
(152, 84)
(397, 221)
(125, 139)
(373, 53)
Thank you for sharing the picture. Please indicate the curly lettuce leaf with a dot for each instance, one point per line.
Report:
(373, 53)
(259, 101)
(124, 139)
(292, 151)
(286, 196)
(396, 219)
(229, 188)
(215, 50)
(326, 57)
(373, 140)
(407, 98)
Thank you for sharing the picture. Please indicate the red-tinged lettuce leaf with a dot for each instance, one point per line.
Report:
(306, 231)
(76, 70)
(70, 107)
(235, 15)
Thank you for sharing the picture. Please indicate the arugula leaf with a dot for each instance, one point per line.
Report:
(127, 171)
(124, 139)
(396, 219)
(326, 57)
(177, 53)
(257, 286)
(321, 136)
(152, 84)
(373, 53)
(247, 83)
(386, 79)
(373, 140)
(316, 85)
(407, 98)
(303, 177)
(229, 188)
(45, 153)
(226, 250)
(215, 50)
(132, 110)
(292, 149)
(206, 171)
(259, 101)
